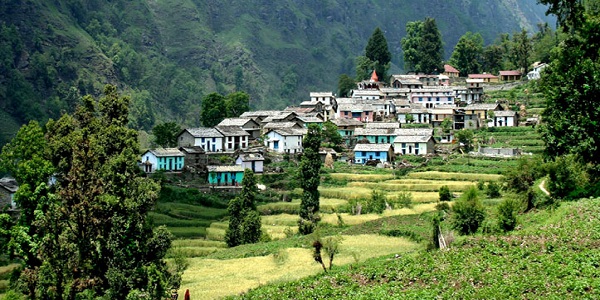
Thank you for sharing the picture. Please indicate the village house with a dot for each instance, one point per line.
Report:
(285, 140)
(234, 137)
(535, 73)
(225, 175)
(405, 82)
(464, 119)
(346, 127)
(162, 159)
(430, 97)
(281, 125)
(451, 71)
(382, 125)
(195, 158)
(311, 120)
(259, 115)
(415, 115)
(252, 160)
(414, 144)
(474, 90)
(441, 113)
(504, 118)
(486, 77)
(367, 94)
(8, 188)
(210, 139)
(283, 116)
(366, 152)
(247, 124)
(375, 135)
(361, 112)
(395, 93)
(510, 75)
(481, 110)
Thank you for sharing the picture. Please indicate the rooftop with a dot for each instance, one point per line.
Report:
(201, 132)
(9, 184)
(164, 152)
(372, 147)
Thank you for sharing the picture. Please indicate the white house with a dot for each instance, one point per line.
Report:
(247, 124)
(210, 139)
(252, 161)
(503, 118)
(414, 144)
(234, 137)
(167, 159)
(285, 140)
(430, 97)
(535, 73)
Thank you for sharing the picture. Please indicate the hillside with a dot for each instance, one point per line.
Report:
(169, 54)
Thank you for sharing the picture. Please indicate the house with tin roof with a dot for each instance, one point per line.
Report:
(247, 124)
(285, 140)
(414, 144)
(366, 152)
(210, 139)
(234, 137)
(251, 160)
(166, 159)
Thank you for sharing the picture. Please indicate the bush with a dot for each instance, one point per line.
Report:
(445, 194)
(567, 177)
(442, 206)
(377, 202)
(521, 178)
(493, 190)
(404, 200)
(468, 213)
(507, 214)
(480, 185)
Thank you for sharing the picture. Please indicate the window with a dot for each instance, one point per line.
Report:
(437, 99)
(364, 153)
(421, 99)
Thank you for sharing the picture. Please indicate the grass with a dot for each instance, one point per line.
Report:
(212, 278)
(293, 207)
(362, 177)
(416, 187)
(436, 175)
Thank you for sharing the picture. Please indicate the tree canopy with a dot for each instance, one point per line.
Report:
(377, 51)
(468, 54)
(84, 229)
(423, 47)
(244, 221)
(166, 134)
(310, 165)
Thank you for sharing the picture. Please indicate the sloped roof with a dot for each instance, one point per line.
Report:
(374, 131)
(165, 152)
(9, 183)
(374, 77)
(414, 131)
(505, 113)
(260, 113)
(372, 147)
(235, 122)
(412, 139)
(321, 94)
(474, 76)
(450, 69)
(192, 150)
(483, 106)
(236, 168)
(347, 122)
(251, 157)
(232, 131)
(510, 73)
(289, 131)
(273, 125)
(382, 125)
(308, 119)
(201, 132)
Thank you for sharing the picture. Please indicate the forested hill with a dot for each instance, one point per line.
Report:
(168, 54)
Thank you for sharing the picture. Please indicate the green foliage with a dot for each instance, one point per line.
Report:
(507, 214)
(345, 85)
(465, 137)
(467, 54)
(214, 109)
(445, 194)
(310, 165)
(236, 104)
(404, 200)
(244, 221)
(94, 217)
(435, 228)
(521, 51)
(492, 190)
(569, 86)
(166, 134)
(331, 136)
(567, 177)
(377, 51)
(468, 212)
(364, 68)
(376, 203)
(422, 47)
(521, 178)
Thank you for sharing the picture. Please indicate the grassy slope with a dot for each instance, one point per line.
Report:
(553, 255)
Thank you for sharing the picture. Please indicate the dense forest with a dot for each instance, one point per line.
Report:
(167, 55)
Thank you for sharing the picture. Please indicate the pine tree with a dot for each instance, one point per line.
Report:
(244, 221)
(310, 165)
(377, 51)
(431, 48)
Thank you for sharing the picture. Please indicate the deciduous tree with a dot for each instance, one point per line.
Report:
(166, 134)
(467, 55)
(214, 109)
(345, 85)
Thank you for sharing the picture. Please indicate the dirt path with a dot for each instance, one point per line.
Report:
(541, 186)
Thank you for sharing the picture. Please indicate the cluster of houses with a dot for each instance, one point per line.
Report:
(372, 120)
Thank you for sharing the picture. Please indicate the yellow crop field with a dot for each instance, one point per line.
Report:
(211, 278)
(198, 243)
(417, 187)
(361, 177)
(435, 175)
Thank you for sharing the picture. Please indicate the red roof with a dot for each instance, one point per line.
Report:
(374, 76)
(481, 76)
(510, 73)
(450, 69)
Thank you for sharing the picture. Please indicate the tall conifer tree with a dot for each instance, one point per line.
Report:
(377, 51)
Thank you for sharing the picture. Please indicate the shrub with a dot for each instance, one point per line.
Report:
(404, 200)
(493, 190)
(521, 178)
(480, 185)
(445, 194)
(377, 202)
(468, 212)
(566, 176)
(442, 206)
(507, 214)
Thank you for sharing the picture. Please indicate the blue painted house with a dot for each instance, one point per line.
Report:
(365, 152)
(168, 159)
(225, 175)
(376, 135)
